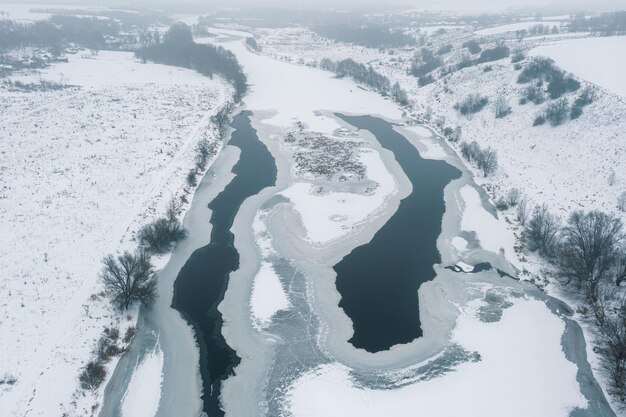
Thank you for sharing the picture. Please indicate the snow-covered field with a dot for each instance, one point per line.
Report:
(82, 168)
(600, 60)
(496, 30)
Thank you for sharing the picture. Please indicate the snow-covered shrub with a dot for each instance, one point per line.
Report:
(472, 46)
(473, 103)
(485, 159)
(523, 211)
(493, 54)
(204, 149)
(540, 68)
(399, 95)
(501, 106)
(585, 98)
(557, 111)
(159, 236)
(621, 201)
(92, 375)
(541, 231)
(425, 80)
(513, 197)
(539, 120)
(517, 56)
(191, 178)
(534, 94)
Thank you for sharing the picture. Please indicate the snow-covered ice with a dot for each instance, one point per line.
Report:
(144, 393)
(268, 296)
(522, 372)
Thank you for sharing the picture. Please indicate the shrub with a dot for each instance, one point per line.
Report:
(501, 106)
(92, 376)
(493, 54)
(204, 149)
(159, 236)
(425, 80)
(486, 160)
(130, 333)
(513, 197)
(539, 120)
(501, 204)
(541, 231)
(129, 279)
(576, 112)
(488, 68)
(517, 56)
(191, 178)
(399, 95)
(252, 44)
(522, 212)
(557, 111)
(472, 46)
(534, 94)
(473, 103)
(621, 201)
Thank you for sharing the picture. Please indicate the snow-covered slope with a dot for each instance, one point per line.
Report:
(81, 169)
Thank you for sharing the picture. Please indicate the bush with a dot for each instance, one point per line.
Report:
(539, 120)
(522, 212)
(488, 68)
(534, 94)
(518, 56)
(92, 376)
(129, 279)
(472, 46)
(425, 80)
(399, 95)
(541, 231)
(191, 178)
(576, 112)
(204, 149)
(621, 201)
(557, 111)
(473, 103)
(513, 197)
(160, 236)
(545, 69)
(493, 54)
(486, 160)
(501, 106)
(252, 44)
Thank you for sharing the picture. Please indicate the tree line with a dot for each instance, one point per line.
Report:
(179, 49)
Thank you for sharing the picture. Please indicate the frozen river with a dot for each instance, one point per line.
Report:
(277, 341)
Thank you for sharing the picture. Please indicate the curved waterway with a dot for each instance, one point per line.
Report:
(378, 281)
(202, 282)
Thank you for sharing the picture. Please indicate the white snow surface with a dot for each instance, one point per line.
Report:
(522, 372)
(268, 296)
(144, 392)
(328, 215)
(496, 30)
(492, 234)
(81, 170)
(600, 60)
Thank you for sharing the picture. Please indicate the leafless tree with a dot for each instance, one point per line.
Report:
(541, 231)
(621, 201)
(129, 279)
(589, 249)
(620, 266)
(612, 347)
(501, 106)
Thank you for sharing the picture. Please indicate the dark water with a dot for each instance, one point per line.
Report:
(202, 282)
(378, 281)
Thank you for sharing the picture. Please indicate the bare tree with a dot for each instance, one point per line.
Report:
(487, 161)
(589, 249)
(612, 348)
(542, 230)
(620, 266)
(129, 279)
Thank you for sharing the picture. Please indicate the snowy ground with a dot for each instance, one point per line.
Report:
(142, 399)
(82, 169)
(599, 60)
(496, 30)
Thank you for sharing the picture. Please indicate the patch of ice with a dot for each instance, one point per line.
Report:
(144, 392)
(268, 296)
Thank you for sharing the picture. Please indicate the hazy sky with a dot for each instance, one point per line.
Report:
(461, 5)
